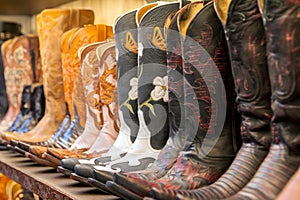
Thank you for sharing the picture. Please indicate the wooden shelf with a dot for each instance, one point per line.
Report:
(45, 181)
(27, 7)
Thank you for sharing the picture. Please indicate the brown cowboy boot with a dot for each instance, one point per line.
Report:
(51, 24)
(281, 22)
(8, 30)
(20, 57)
(250, 72)
(290, 191)
(71, 42)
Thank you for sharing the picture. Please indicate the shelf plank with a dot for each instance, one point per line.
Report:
(45, 181)
(27, 7)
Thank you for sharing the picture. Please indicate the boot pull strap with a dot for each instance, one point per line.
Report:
(74, 17)
(101, 30)
(182, 3)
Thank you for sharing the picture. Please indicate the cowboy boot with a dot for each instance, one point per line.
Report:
(249, 66)
(88, 77)
(28, 54)
(96, 33)
(282, 38)
(291, 189)
(152, 96)
(133, 181)
(151, 93)
(20, 70)
(3, 95)
(51, 24)
(107, 99)
(209, 106)
(24, 147)
(81, 37)
(8, 30)
(24, 109)
(37, 109)
(94, 123)
(125, 30)
(71, 42)
(104, 102)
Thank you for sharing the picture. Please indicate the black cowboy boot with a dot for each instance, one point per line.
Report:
(3, 95)
(37, 109)
(133, 184)
(151, 93)
(281, 21)
(249, 66)
(24, 109)
(209, 105)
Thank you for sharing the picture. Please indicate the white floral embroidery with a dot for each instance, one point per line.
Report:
(140, 49)
(133, 93)
(161, 89)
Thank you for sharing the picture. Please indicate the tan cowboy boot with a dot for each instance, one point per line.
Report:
(72, 42)
(52, 23)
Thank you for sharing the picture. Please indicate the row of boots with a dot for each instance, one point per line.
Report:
(186, 101)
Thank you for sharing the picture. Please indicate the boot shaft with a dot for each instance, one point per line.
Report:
(38, 102)
(56, 22)
(247, 47)
(21, 65)
(210, 109)
(3, 94)
(71, 41)
(282, 32)
(152, 73)
(125, 30)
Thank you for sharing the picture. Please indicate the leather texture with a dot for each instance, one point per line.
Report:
(168, 155)
(37, 109)
(152, 92)
(213, 147)
(125, 29)
(9, 30)
(3, 94)
(291, 189)
(21, 67)
(24, 109)
(250, 72)
(52, 23)
(280, 20)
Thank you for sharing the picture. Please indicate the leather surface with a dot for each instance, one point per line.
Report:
(51, 24)
(21, 62)
(197, 166)
(3, 94)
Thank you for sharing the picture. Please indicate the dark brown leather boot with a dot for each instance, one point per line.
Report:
(249, 66)
(281, 21)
